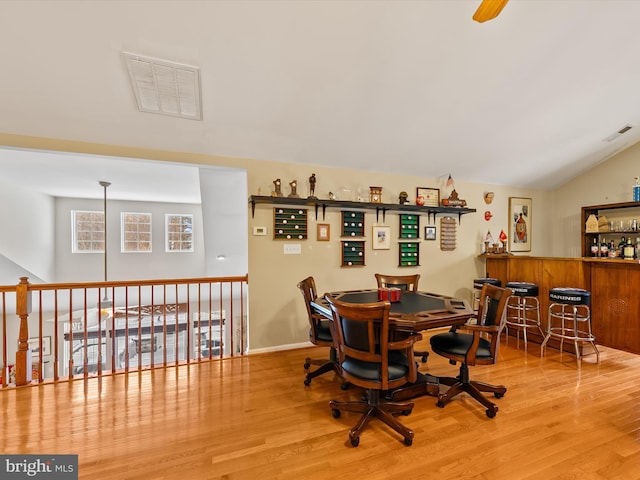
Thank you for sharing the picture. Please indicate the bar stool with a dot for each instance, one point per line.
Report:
(477, 287)
(523, 309)
(570, 319)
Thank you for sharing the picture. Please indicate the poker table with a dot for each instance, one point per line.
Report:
(415, 312)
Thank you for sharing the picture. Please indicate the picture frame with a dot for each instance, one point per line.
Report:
(381, 238)
(34, 346)
(430, 196)
(520, 225)
(323, 232)
(429, 233)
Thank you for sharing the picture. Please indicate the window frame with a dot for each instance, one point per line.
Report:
(124, 232)
(75, 231)
(167, 233)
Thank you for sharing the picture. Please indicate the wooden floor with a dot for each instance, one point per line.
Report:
(252, 418)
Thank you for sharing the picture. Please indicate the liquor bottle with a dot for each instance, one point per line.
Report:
(629, 250)
(604, 248)
(595, 249)
(612, 249)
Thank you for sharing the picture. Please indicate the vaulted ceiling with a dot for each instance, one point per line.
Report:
(416, 87)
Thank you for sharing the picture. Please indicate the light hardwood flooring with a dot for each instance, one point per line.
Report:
(252, 418)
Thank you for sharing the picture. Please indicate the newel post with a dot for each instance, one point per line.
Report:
(23, 355)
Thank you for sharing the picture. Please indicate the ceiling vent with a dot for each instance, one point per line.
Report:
(164, 87)
(613, 136)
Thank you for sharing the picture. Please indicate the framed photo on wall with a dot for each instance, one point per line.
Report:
(429, 233)
(429, 197)
(323, 232)
(520, 226)
(381, 238)
(34, 346)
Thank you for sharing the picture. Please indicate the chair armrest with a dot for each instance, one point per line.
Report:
(405, 343)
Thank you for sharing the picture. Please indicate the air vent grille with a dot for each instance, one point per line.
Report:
(613, 136)
(164, 87)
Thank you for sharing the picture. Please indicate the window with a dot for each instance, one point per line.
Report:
(87, 231)
(179, 233)
(136, 232)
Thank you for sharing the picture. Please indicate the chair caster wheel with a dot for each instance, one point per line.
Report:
(344, 386)
(424, 359)
(306, 366)
(490, 413)
(335, 413)
(408, 441)
(498, 395)
(406, 412)
(440, 404)
(355, 441)
(307, 381)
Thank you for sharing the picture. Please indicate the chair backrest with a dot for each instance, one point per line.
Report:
(491, 309)
(403, 282)
(362, 339)
(491, 319)
(309, 293)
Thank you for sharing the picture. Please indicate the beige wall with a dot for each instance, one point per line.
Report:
(277, 315)
(608, 182)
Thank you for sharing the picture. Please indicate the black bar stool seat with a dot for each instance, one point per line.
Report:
(570, 319)
(523, 310)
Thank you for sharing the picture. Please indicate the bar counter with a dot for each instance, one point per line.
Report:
(614, 284)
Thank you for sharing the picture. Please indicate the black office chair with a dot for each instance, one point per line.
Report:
(475, 344)
(319, 334)
(368, 359)
(407, 283)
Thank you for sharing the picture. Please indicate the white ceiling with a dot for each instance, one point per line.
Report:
(415, 87)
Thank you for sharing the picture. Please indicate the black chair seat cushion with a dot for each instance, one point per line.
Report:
(398, 367)
(324, 332)
(459, 344)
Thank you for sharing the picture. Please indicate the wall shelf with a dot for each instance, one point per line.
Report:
(320, 204)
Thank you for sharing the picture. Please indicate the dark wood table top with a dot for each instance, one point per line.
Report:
(416, 311)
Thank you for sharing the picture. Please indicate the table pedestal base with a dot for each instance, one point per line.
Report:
(424, 385)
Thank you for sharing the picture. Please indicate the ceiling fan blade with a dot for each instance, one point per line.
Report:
(489, 9)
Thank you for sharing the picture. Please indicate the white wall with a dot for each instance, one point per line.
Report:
(73, 267)
(27, 239)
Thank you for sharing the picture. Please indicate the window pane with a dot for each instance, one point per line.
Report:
(179, 233)
(136, 232)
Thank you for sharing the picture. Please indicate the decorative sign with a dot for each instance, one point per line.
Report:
(447, 233)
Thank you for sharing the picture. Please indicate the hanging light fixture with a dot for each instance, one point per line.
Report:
(106, 303)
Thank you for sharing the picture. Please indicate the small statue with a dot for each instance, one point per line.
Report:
(294, 187)
(332, 196)
(312, 186)
(403, 198)
(278, 191)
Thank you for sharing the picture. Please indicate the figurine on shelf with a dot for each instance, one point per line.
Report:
(403, 198)
(312, 186)
(294, 189)
(375, 194)
(332, 196)
(278, 188)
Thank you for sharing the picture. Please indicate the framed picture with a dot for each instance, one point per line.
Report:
(429, 197)
(323, 232)
(429, 233)
(381, 238)
(519, 224)
(34, 346)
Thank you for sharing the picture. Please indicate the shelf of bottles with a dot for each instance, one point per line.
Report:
(290, 223)
(611, 230)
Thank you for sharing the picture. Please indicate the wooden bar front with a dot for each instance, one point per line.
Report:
(614, 285)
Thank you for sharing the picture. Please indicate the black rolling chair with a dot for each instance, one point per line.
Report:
(319, 334)
(475, 344)
(369, 359)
